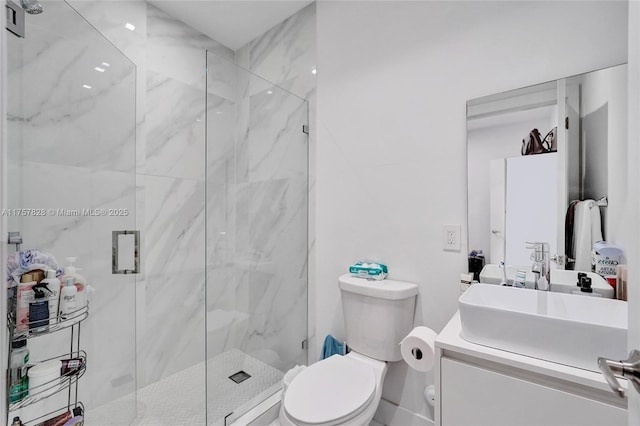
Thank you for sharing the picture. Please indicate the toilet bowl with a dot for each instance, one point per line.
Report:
(346, 390)
(339, 390)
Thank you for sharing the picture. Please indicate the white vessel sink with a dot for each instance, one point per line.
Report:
(568, 329)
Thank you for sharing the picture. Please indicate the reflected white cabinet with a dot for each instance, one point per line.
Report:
(481, 386)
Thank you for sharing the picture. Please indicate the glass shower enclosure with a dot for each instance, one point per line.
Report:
(71, 182)
(256, 226)
(70, 176)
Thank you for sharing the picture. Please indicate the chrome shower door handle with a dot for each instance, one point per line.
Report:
(629, 369)
(115, 252)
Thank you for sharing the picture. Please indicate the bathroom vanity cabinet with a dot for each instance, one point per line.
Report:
(478, 385)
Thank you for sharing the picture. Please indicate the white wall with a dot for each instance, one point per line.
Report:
(604, 134)
(393, 79)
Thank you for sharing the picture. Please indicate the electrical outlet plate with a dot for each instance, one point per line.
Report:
(451, 237)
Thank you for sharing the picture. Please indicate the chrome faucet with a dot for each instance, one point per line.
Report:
(541, 264)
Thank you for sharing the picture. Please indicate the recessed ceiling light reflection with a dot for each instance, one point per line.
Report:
(314, 71)
(130, 26)
(99, 69)
(86, 86)
(106, 64)
(269, 92)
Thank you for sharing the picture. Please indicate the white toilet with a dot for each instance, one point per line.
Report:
(346, 390)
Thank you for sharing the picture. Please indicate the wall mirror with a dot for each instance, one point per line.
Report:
(514, 198)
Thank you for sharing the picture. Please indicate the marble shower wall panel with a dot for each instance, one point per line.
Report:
(178, 51)
(221, 76)
(109, 18)
(276, 224)
(243, 124)
(277, 146)
(175, 233)
(174, 281)
(285, 55)
(175, 312)
(271, 269)
(58, 115)
(176, 130)
(275, 332)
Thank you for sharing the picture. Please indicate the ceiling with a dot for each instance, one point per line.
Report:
(233, 23)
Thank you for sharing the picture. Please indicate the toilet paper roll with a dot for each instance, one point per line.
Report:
(418, 348)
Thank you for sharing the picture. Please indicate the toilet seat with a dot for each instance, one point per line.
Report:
(330, 392)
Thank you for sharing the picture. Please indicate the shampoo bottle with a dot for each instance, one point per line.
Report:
(68, 299)
(53, 285)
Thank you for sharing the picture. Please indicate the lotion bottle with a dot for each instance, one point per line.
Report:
(70, 271)
(68, 299)
(53, 285)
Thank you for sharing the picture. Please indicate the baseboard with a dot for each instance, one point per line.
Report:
(390, 414)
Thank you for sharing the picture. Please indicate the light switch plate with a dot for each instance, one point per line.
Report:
(451, 237)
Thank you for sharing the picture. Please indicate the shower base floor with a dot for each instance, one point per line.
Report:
(179, 399)
(225, 396)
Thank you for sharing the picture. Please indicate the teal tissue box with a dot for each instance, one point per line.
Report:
(371, 271)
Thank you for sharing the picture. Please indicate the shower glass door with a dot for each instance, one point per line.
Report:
(256, 226)
(71, 179)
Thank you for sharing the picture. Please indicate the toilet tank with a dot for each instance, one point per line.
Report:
(377, 315)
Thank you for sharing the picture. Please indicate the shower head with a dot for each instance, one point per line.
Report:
(32, 7)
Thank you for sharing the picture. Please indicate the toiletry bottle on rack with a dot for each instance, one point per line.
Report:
(39, 310)
(68, 299)
(24, 297)
(53, 285)
(19, 359)
(70, 271)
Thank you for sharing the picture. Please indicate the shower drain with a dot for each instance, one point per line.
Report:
(239, 377)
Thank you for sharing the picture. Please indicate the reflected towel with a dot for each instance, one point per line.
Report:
(331, 347)
(587, 230)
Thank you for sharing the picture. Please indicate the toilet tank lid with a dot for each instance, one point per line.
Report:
(383, 289)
